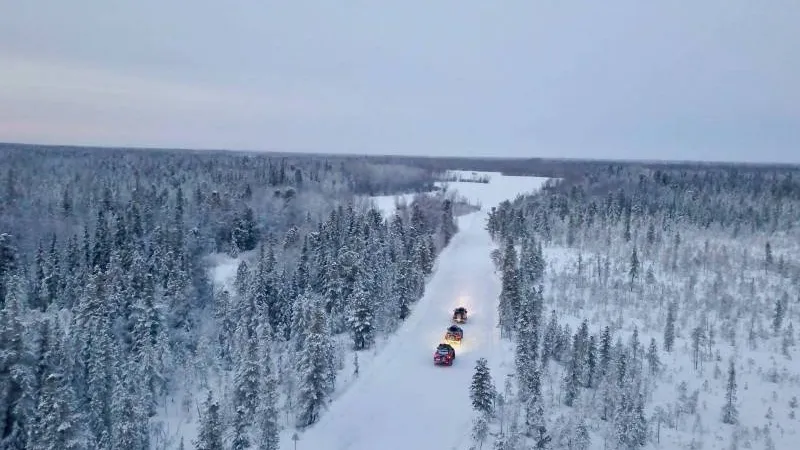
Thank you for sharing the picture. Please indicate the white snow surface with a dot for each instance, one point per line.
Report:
(401, 400)
(387, 204)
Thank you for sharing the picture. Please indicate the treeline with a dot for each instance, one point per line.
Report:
(734, 201)
(108, 307)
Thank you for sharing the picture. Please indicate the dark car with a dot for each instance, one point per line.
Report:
(460, 315)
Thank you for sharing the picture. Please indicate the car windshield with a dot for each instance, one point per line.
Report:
(444, 350)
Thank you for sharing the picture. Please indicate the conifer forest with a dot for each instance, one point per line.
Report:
(166, 299)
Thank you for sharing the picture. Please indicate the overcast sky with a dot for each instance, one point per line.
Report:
(710, 79)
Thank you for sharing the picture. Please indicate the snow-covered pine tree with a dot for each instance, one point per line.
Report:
(448, 223)
(242, 282)
(266, 419)
(482, 390)
(247, 376)
(147, 344)
(315, 368)
(17, 371)
(480, 430)
(404, 291)
(777, 316)
(605, 351)
(57, 424)
(653, 361)
(633, 271)
(510, 293)
(241, 435)
(129, 413)
(361, 317)
(210, 434)
(572, 377)
(669, 328)
(730, 413)
(550, 339)
(590, 376)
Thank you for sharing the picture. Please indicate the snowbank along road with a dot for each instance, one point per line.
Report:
(403, 401)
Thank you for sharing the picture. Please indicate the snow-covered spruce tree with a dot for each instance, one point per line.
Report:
(57, 425)
(266, 419)
(480, 430)
(448, 223)
(247, 379)
(730, 414)
(129, 413)
(241, 436)
(361, 316)
(510, 292)
(653, 361)
(669, 328)
(634, 269)
(149, 344)
(550, 339)
(315, 368)
(210, 434)
(482, 390)
(17, 371)
(528, 329)
(572, 377)
(403, 288)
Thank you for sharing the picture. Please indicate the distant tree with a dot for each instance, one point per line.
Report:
(777, 317)
(788, 340)
(669, 328)
(653, 361)
(768, 258)
(730, 414)
(633, 271)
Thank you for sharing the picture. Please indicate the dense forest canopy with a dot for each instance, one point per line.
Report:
(109, 308)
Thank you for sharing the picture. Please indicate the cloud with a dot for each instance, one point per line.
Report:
(716, 79)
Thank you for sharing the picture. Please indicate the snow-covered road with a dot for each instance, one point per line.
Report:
(402, 401)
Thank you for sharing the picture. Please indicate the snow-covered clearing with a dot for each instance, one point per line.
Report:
(767, 381)
(400, 400)
(500, 187)
(387, 204)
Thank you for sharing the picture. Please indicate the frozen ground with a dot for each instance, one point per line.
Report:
(400, 399)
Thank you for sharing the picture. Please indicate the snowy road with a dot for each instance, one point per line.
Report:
(403, 401)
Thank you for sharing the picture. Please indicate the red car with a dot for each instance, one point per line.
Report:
(444, 355)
